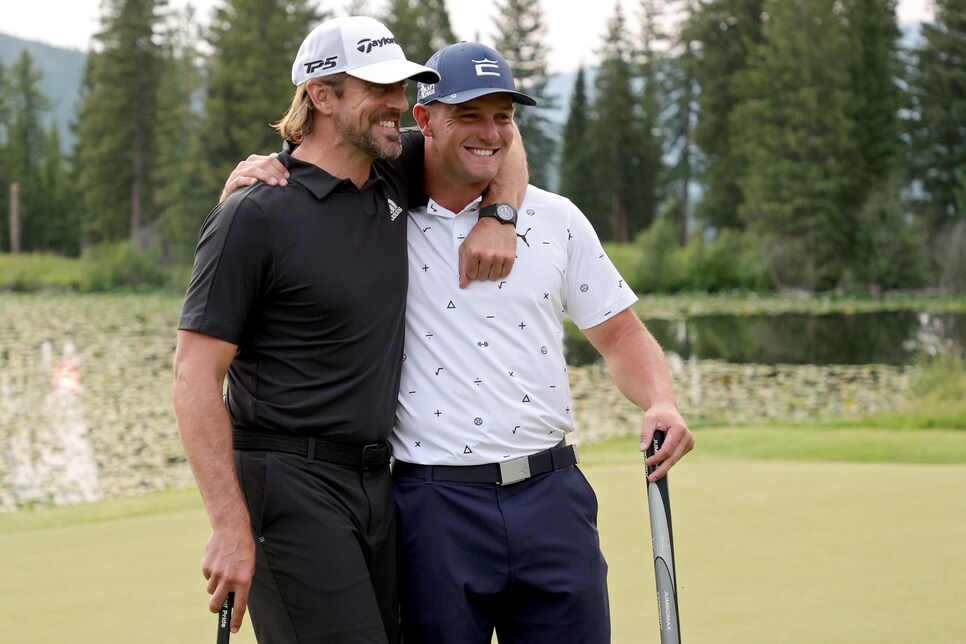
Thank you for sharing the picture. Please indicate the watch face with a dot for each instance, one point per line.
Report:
(504, 212)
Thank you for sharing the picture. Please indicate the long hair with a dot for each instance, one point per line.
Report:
(298, 120)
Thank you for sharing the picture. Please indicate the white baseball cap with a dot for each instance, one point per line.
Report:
(359, 46)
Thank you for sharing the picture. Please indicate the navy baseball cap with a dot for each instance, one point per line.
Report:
(469, 70)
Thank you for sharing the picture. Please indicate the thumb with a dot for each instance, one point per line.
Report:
(464, 273)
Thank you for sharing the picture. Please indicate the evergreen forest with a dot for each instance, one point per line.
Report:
(718, 145)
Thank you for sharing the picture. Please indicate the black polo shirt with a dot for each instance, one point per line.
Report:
(310, 282)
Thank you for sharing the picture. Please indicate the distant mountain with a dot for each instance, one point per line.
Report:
(62, 71)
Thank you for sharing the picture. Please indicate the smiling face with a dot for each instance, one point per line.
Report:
(466, 143)
(367, 116)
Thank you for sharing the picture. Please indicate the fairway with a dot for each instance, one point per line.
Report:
(767, 551)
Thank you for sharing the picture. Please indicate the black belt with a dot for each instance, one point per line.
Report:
(505, 473)
(374, 456)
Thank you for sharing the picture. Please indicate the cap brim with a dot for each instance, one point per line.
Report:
(393, 71)
(470, 94)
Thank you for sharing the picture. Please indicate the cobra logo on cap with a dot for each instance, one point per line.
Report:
(487, 64)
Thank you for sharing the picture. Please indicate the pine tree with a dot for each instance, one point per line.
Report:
(25, 146)
(521, 40)
(181, 198)
(249, 78)
(651, 69)
(4, 105)
(874, 110)
(723, 32)
(681, 93)
(576, 160)
(793, 129)
(4, 161)
(59, 229)
(626, 203)
(874, 68)
(937, 145)
(116, 123)
(422, 27)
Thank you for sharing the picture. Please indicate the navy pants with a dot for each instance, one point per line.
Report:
(325, 551)
(523, 559)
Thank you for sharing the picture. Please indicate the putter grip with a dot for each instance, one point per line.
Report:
(662, 542)
(224, 619)
(657, 440)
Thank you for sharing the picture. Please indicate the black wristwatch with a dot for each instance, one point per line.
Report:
(502, 212)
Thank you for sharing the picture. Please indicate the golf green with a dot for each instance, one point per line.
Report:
(766, 552)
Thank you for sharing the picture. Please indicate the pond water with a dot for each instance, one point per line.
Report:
(891, 337)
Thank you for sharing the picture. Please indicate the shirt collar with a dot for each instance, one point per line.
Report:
(316, 180)
(438, 210)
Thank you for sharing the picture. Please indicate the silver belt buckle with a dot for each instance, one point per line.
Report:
(514, 470)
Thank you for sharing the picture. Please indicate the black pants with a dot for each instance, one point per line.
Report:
(325, 551)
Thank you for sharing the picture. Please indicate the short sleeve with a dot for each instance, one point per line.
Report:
(232, 270)
(596, 291)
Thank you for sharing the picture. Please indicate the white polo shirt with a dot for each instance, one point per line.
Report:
(484, 377)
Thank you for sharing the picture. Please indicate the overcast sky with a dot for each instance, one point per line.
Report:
(575, 27)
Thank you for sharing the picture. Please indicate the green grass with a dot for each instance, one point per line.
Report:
(783, 534)
(814, 444)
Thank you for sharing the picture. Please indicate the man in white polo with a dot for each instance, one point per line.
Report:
(497, 527)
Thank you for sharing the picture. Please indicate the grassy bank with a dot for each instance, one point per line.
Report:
(773, 526)
(105, 268)
(684, 305)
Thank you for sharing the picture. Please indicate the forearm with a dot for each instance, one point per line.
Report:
(200, 365)
(510, 183)
(206, 436)
(639, 368)
(229, 561)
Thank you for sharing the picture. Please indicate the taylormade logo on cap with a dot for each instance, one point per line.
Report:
(366, 45)
(359, 46)
(467, 71)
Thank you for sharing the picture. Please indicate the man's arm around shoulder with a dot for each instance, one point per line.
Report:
(489, 250)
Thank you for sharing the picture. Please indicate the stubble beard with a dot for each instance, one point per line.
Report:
(364, 140)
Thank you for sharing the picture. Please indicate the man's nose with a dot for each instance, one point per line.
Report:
(397, 99)
(488, 130)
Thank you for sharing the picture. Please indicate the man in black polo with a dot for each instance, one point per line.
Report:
(298, 295)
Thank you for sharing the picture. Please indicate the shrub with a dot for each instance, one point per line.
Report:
(733, 261)
(625, 258)
(116, 265)
(28, 272)
(661, 266)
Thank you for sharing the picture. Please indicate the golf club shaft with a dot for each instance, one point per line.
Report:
(224, 619)
(662, 541)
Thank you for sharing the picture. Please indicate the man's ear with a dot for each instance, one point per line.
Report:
(421, 114)
(321, 95)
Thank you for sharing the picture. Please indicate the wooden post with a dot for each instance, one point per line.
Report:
(14, 218)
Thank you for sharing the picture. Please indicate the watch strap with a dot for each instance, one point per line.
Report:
(492, 211)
